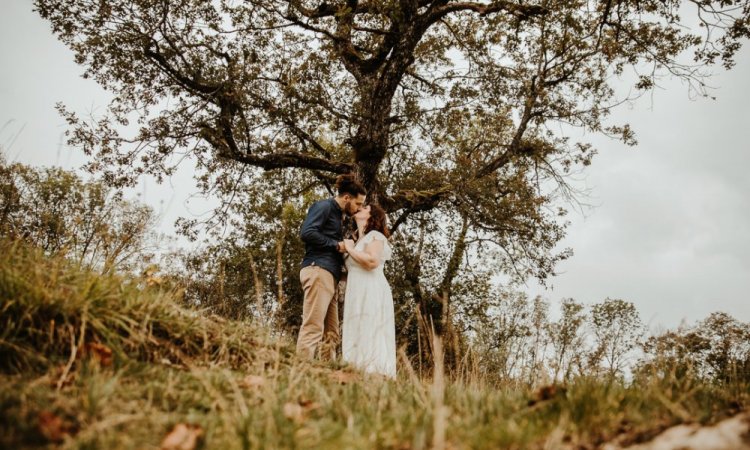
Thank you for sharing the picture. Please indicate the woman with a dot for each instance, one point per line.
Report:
(369, 330)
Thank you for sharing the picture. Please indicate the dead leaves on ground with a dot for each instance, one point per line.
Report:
(53, 427)
(99, 353)
(337, 376)
(300, 410)
(182, 437)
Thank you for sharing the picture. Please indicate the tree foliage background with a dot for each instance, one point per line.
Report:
(87, 221)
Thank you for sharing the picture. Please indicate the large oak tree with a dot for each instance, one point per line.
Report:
(440, 106)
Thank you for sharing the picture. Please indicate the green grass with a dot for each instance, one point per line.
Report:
(173, 365)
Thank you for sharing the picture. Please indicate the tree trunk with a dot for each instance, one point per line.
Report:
(434, 310)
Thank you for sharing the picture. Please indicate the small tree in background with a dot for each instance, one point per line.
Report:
(716, 349)
(567, 339)
(727, 350)
(674, 353)
(510, 340)
(86, 221)
(616, 328)
(252, 269)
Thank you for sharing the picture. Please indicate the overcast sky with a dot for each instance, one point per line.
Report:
(670, 229)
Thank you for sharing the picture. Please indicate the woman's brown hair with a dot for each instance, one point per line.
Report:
(378, 221)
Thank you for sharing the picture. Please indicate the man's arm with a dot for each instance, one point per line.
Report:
(313, 224)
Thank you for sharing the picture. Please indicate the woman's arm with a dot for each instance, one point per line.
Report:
(369, 258)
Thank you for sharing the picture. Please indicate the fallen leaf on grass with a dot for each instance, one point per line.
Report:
(100, 352)
(52, 427)
(182, 437)
(253, 381)
(341, 377)
(307, 404)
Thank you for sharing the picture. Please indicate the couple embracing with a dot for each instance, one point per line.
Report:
(368, 335)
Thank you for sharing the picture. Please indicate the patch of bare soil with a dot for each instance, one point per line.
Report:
(729, 434)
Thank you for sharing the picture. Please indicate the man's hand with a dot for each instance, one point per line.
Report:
(341, 247)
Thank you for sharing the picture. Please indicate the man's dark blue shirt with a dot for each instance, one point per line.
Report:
(322, 231)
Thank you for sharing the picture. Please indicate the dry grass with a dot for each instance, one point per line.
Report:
(51, 309)
(245, 390)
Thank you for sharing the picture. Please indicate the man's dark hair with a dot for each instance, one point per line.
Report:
(348, 184)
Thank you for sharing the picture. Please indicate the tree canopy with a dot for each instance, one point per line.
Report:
(438, 105)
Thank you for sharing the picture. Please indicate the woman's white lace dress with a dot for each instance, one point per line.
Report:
(369, 329)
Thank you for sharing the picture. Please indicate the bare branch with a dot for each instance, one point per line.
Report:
(483, 9)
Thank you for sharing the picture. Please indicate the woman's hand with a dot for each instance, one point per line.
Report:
(368, 257)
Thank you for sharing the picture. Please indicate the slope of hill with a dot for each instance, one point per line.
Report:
(92, 361)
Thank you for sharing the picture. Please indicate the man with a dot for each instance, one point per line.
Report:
(321, 267)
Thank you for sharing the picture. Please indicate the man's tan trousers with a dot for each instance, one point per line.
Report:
(320, 314)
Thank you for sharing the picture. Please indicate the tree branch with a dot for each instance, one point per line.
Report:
(201, 89)
(223, 142)
(521, 11)
(292, 159)
(455, 261)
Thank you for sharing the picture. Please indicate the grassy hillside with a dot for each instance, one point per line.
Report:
(89, 361)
